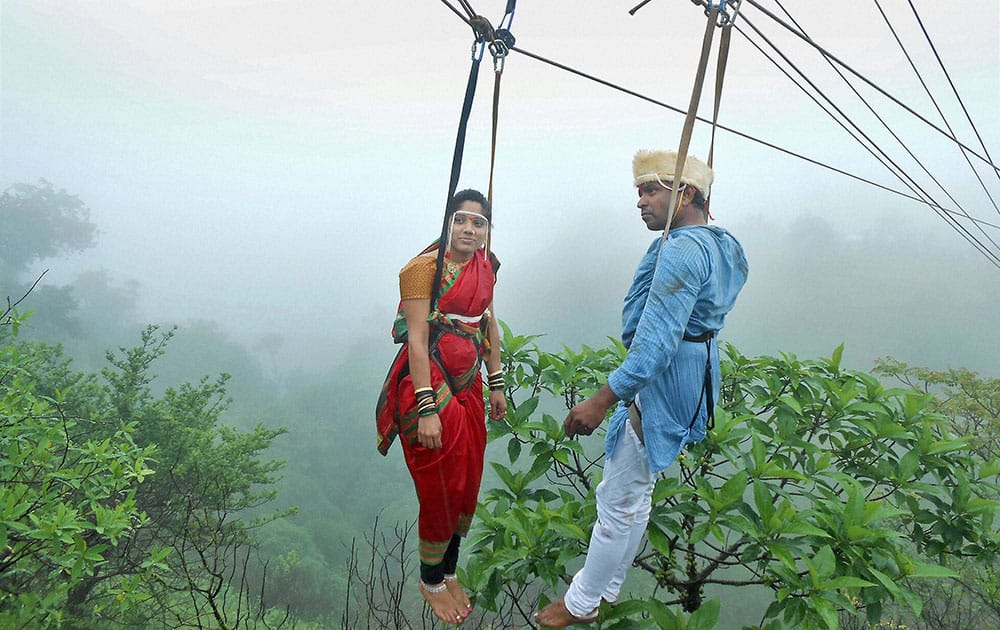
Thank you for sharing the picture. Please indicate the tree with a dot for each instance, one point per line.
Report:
(817, 483)
(67, 501)
(40, 222)
(204, 503)
(191, 546)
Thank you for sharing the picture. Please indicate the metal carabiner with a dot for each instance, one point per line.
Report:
(478, 46)
(508, 18)
(725, 17)
(499, 50)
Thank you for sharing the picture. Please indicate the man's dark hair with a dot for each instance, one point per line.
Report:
(471, 195)
(699, 200)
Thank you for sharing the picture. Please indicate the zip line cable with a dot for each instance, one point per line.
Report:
(892, 168)
(894, 135)
(929, 202)
(468, 8)
(913, 185)
(954, 90)
(878, 116)
(944, 119)
(456, 12)
(895, 100)
(735, 132)
(923, 84)
(897, 171)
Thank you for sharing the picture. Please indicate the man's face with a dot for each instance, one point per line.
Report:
(654, 204)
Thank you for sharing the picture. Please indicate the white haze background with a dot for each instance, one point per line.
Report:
(270, 166)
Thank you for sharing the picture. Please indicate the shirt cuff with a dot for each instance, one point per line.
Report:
(623, 385)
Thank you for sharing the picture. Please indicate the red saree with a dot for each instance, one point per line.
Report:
(446, 479)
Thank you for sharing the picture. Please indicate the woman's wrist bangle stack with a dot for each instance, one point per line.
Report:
(425, 401)
(495, 380)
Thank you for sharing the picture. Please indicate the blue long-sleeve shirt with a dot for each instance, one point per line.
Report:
(701, 271)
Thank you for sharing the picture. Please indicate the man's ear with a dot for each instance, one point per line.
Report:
(689, 193)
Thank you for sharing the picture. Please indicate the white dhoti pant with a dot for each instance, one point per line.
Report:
(624, 499)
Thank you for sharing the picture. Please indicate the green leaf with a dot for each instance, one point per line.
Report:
(824, 562)
(734, 488)
(799, 526)
(758, 454)
(908, 465)
(513, 449)
(947, 446)
(659, 540)
(847, 582)
(762, 498)
(826, 611)
(705, 617)
(568, 530)
(885, 581)
(927, 570)
(838, 352)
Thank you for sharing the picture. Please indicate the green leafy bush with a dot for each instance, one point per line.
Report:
(817, 482)
(66, 499)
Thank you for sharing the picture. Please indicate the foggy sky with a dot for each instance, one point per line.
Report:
(271, 165)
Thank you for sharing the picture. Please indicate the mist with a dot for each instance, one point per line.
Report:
(269, 170)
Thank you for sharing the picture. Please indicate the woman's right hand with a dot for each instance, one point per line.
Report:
(429, 431)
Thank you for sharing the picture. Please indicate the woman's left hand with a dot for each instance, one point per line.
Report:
(498, 405)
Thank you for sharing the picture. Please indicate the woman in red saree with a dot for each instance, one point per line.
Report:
(433, 396)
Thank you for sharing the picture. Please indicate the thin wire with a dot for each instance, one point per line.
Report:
(892, 168)
(456, 12)
(968, 236)
(639, 6)
(931, 204)
(944, 119)
(889, 129)
(736, 132)
(895, 100)
(957, 97)
(468, 8)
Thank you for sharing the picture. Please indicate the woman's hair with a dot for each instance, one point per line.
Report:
(470, 195)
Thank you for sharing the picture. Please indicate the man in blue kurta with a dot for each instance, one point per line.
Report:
(666, 386)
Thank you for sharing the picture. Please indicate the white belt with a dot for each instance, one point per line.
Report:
(464, 318)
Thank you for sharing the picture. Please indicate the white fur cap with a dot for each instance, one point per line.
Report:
(647, 166)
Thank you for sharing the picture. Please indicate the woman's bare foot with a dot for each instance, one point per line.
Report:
(442, 603)
(458, 592)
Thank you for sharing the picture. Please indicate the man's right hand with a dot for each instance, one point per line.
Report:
(584, 417)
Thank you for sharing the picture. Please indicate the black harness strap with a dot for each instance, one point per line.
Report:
(707, 393)
(500, 42)
(456, 165)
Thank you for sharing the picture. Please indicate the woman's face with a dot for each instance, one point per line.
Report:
(468, 230)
